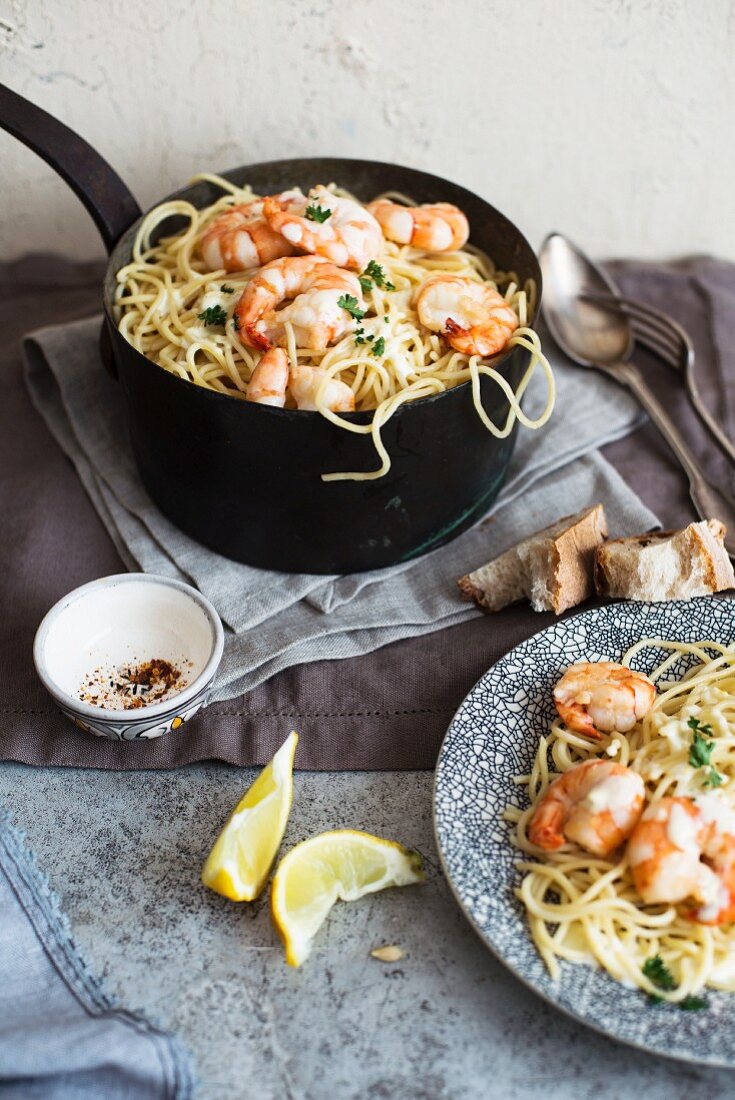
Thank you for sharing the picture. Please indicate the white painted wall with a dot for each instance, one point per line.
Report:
(609, 119)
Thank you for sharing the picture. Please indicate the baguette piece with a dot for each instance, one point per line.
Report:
(552, 568)
(667, 565)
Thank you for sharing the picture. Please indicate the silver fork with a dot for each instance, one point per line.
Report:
(670, 342)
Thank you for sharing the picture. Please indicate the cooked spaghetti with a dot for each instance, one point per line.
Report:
(167, 304)
(586, 909)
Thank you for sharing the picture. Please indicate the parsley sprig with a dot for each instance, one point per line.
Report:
(378, 347)
(700, 752)
(351, 304)
(317, 213)
(374, 273)
(658, 973)
(214, 315)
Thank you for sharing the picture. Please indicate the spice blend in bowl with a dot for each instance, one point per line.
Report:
(130, 656)
(134, 685)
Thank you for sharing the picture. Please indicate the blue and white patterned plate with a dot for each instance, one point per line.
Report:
(493, 737)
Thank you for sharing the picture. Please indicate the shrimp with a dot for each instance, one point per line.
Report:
(267, 385)
(271, 379)
(240, 238)
(315, 288)
(473, 318)
(602, 697)
(304, 386)
(595, 804)
(667, 851)
(434, 227)
(348, 235)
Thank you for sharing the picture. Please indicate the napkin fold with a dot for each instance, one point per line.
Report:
(61, 1037)
(305, 617)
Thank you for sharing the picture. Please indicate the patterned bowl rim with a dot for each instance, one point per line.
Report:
(588, 617)
(157, 710)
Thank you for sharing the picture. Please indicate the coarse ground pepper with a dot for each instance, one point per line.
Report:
(134, 685)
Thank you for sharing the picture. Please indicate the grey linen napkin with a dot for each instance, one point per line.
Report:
(61, 1037)
(303, 617)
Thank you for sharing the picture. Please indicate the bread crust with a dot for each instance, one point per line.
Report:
(553, 567)
(665, 565)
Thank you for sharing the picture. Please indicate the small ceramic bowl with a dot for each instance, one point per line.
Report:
(117, 623)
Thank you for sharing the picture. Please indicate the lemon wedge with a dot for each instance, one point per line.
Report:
(238, 865)
(341, 865)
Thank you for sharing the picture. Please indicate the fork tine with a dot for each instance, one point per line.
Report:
(660, 335)
(646, 322)
(663, 319)
(665, 332)
(648, 314)
(653, 328)
(642, 313)
(673, 355)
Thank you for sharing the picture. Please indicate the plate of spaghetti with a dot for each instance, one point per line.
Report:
(322, 303)
(585, 817)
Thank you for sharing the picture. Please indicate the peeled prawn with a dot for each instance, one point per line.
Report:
(305, 384)
(348, 235)
(313, 288)
(433, 227)
(668, 850)
(272, 378)
(240, 238)
(595, 804)
(268, 382)
(595, 698)
(473, 318)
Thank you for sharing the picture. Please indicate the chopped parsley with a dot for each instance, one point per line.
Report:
(348, 302)
(214, 315)
(236, 322)
(375, 272)
(378, 347)
(657, 972)
(365, 283)
(700, 752)
(227, 289)
(317, 213)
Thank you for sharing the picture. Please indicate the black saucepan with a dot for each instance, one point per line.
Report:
(244, 479)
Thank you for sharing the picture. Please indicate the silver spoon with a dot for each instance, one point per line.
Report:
(595, 336)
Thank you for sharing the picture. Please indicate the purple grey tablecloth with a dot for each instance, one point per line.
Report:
(388, 709)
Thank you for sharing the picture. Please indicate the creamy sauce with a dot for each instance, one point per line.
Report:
(167, 301)
(292, 232)
(713, 811)
(682, 830)
(712, 893)
(615, 794)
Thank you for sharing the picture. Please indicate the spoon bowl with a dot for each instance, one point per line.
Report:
(590, 334)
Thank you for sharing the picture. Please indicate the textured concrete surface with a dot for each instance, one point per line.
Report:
(447, 1022)
(609, 119)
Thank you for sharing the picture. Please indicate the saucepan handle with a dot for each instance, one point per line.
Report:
(104, 194)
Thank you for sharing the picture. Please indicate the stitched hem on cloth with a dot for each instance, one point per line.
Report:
(43, 909)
